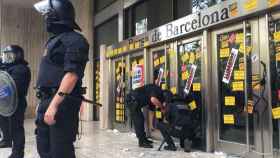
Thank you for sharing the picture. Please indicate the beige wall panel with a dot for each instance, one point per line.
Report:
(24, 26)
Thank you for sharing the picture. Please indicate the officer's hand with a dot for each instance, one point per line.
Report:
(49, 117)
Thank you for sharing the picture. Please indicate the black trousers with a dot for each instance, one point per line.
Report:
(56, 141)
(13, 129)
(5, 128)
(137, 116)
(182, 133)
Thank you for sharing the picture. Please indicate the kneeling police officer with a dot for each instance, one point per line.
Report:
(14, 64)
(149, 95)
(60, 76)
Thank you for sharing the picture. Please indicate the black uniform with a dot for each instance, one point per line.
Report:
(183, 123)
(139, 98)
(20, 72)
(66, 52)
(4, 124)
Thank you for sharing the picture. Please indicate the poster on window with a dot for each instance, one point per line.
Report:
(230, 65)
(137, 76)
(190, 79)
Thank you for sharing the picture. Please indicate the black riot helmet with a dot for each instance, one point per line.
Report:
(59, 12)
(12, 54)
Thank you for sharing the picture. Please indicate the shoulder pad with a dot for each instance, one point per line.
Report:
(74, 38)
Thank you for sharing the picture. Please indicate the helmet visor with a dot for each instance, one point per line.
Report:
(8, 57)
(43, 7)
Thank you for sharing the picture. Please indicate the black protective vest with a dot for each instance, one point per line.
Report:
(51, 70)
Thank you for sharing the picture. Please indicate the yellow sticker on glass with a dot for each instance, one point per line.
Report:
(192, 58)
(230, 101)
(193, 105)
(156, 62)
(163, 86)
(229, 119)
(158, 115)
(239, 75)
(239, 38)
(250, 5)
(224, 44)
(241, 48)
(185, 76)
(238, 86)
(248, 49)
(196, 86)
(173, 90)
(278, 57)
(185, 57)
(224, 52)
(162, 60)
(276, 113)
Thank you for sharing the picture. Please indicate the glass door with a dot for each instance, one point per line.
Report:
(120, 86)
(274, 74)
(236, 80)
(190, 56)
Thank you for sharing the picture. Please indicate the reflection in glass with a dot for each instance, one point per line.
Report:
(274, 32)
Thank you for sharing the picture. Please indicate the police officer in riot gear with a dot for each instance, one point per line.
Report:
(149, 95)
(5, 139)
(61, 72)
(13, 59)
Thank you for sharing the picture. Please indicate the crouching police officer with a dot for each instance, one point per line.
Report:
(17, 67)
(180, 122)
(149, 95)
(61, 72)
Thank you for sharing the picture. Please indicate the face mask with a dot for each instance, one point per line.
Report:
(8, 58)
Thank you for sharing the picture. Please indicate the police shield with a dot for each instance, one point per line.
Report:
(8, 95)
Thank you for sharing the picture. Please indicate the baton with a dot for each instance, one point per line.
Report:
(82, 98)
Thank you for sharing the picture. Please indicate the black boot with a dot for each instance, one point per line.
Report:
(144, 144)
(187, 145)
(17, 155)
(170, 147)
(5, 144)
(148, 141)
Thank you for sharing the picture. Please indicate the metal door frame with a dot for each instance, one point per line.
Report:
(264, 22)
(120, 126)
(150, 60)
(227, 146)
(205, 85)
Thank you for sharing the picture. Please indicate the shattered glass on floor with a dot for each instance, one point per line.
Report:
(96, 143)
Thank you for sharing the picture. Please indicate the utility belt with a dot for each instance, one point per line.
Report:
(47, 92)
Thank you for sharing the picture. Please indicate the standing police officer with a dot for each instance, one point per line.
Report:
(150, 95)
(61, 72)
(16, 66)
(5, 139)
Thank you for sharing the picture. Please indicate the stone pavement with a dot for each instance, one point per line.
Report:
(96, 143)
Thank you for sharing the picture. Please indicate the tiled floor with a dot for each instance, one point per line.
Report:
(96, 143)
